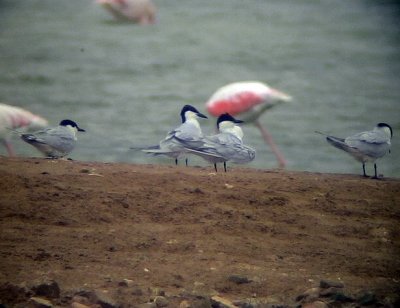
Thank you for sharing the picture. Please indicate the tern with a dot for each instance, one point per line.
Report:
(54, 142)
(176, 142)
(225, 146)
(366, 146)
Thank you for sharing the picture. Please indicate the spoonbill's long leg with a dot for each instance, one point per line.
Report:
(268, 139)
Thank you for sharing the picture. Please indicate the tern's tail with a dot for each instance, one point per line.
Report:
(156, 150)
(338, 143)
(30, 138)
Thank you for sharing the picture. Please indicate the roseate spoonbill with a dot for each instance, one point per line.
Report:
(54, 142)
(12, 117)
(225, 146)
(250, 99)
(139, 11)
(174, 145)
(365, 146)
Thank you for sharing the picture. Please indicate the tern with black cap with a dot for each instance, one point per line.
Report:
(366, 146)
(54, 142)
(175, 143)
(225, 146)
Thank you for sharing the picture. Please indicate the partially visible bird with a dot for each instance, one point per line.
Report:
(250, 99)
(175, 143)
(139, 11)
(12, 117)
(55, 142)
(366, 146)
(225, 146)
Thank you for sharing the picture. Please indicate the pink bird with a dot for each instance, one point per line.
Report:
(250, 99)
(12, 117)
(139, 11)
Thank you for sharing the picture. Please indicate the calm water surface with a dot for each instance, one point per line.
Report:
(125, 84)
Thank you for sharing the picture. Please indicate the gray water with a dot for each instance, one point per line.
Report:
(125, 84)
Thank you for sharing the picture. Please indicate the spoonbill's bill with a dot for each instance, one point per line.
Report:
(11, 118)
(140, 11)
(250, 99)
(55, 142)
(365, 146)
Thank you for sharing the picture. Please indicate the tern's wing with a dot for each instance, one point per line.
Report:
(372, 143)
(176, 140)
(208, 148)
(223, 146)
(59, 138)
(186, 132)
(186, 135)
(221, 140)
(243, 154)
(233, 149)
(166, 147)
(209, 155)
(373, 137)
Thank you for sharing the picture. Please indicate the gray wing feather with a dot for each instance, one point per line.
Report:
(224, 147)
(211, 156)
(372, 137)
(363, 146)
(176, 141)
(243, 155)
(52, 140)
(338, 143)
(374, 144)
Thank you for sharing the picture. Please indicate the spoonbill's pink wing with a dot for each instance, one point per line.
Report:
(233, 104)
(141, 11)
(15, 117)
(240, 97)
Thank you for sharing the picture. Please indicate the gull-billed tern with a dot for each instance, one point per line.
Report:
(225, 146)
(54, 142)
(366, 146)
(175, 143)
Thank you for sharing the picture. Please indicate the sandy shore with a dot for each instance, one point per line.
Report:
(132, 232)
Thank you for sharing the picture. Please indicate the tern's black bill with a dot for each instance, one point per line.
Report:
(201, 115)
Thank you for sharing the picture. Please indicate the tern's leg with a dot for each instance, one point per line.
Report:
(186, 161)
(225, 166)
(364, 174)
(176, 161)
(215, 167)
(376, 173)
(268, 139)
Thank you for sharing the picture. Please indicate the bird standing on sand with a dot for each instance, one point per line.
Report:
(12, 117)
(55, 142)
(225, 146)
(366, 146)
(175, 143)
(140, 11)
(250, 99)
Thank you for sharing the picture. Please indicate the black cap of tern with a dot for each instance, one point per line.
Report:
(227, 117)
(388, 126)
(72, 124)
(187, 108)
